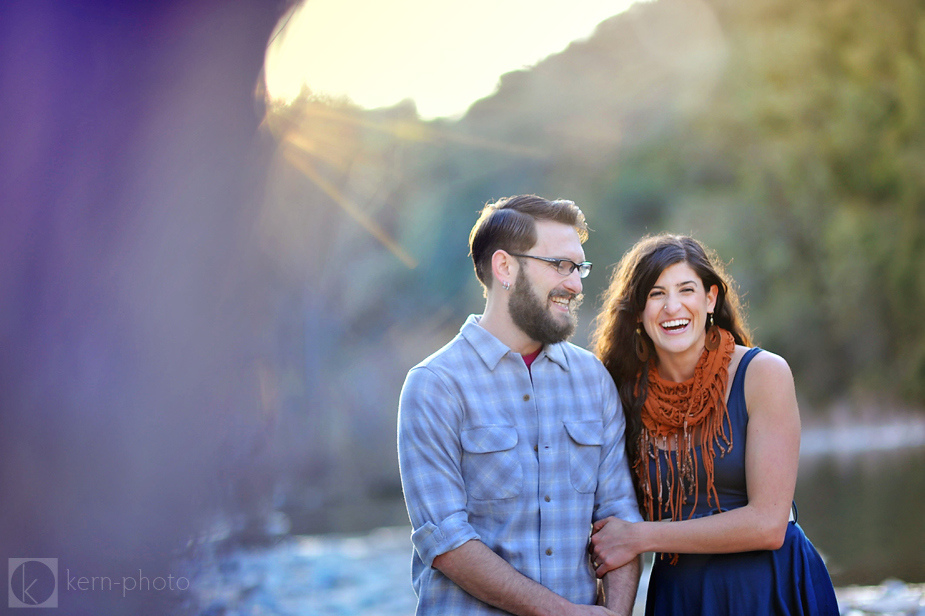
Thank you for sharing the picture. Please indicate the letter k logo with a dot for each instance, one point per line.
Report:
(33, 582)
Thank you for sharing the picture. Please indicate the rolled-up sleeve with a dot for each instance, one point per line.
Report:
(615, 495)
(429, 453)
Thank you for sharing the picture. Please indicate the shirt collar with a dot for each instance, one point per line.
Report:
(491, 350)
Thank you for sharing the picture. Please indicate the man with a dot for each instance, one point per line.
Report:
(510, 439)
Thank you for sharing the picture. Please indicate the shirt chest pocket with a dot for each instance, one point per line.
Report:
(585, 440)
(490, 464)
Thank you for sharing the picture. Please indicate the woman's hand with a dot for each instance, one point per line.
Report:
(613, 544)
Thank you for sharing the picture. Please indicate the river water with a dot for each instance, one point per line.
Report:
(860, 493)
(861, 499)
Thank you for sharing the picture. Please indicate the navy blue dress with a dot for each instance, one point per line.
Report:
(788, 581)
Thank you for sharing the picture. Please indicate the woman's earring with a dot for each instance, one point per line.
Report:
(713, 336)
(506, 285)
(642, 348)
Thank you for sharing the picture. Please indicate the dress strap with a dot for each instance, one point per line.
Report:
(739, 379)
(736, 401)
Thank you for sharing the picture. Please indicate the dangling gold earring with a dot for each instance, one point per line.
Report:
(642, 349)
(713, 336)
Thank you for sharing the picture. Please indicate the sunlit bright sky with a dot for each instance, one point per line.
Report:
(442, 54)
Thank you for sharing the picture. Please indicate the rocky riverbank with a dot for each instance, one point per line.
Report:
(360, 575)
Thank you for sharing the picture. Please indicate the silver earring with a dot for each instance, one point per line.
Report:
(506, 285)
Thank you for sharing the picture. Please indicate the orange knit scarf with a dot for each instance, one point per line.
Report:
(681, 417)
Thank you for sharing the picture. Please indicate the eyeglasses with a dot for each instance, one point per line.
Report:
(563, 266)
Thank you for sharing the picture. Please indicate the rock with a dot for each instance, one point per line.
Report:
(350, 575)
(889, 598)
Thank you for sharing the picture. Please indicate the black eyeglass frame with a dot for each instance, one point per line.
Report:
(584, 268)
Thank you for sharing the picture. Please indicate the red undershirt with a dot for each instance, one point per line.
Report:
(528, 359)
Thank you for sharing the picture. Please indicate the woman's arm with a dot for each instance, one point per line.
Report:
(771, 460)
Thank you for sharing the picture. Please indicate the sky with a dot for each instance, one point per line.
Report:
(442, 54)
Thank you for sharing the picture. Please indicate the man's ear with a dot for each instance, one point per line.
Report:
(504, 268)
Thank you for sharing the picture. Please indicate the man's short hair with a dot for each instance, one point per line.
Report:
(509, 224)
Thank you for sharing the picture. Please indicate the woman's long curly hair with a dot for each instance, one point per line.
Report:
(614, 336)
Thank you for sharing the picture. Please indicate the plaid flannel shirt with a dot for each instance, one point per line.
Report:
(523, 460)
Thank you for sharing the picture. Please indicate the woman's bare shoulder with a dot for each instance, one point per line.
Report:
(768, 365)
(768, 379)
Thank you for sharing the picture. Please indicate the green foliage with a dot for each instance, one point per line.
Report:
(786, 135)
(831, 107)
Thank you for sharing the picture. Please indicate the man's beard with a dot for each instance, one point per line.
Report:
(532, 315)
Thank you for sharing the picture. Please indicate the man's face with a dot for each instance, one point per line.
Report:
(543, 303)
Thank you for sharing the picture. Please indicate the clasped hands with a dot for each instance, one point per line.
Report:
(612, 544)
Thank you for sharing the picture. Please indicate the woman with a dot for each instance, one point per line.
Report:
(713, 436)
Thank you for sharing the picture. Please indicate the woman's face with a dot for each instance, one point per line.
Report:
(675, 314)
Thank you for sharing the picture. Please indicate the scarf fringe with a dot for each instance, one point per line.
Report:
(678, 418)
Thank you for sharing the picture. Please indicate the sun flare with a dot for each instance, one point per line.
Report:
(441, 55)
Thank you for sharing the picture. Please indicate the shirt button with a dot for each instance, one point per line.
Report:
(548, 551)
(526, 397)
(536, 448)
(547, 499)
